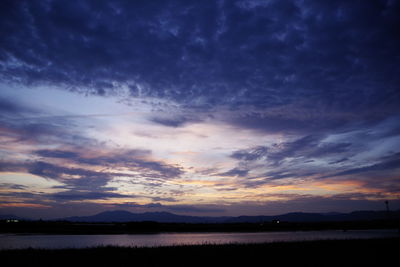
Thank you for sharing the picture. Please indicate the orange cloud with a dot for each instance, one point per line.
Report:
(22, 205)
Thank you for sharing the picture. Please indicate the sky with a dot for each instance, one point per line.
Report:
(208, 108)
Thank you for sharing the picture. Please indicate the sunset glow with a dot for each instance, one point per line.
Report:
(198, 107)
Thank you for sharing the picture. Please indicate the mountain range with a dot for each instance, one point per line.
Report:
(166, 217)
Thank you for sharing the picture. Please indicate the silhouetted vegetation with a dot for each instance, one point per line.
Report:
(374, 252)
(64, 227)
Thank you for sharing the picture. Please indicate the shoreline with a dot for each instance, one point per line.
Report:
(394, 229)
(66, 228)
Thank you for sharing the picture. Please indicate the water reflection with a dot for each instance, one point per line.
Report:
(168, 239)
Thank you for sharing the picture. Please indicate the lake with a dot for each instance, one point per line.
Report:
(19, 241)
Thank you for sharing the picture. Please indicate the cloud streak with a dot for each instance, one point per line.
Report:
(213, 51)
(194, 104)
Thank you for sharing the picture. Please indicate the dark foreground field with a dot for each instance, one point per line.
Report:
(373, 252)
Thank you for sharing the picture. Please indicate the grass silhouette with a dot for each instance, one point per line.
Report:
(371, 252)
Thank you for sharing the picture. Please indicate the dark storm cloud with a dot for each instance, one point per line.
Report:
(71, 178)
(74, 178)
(310, 146)
(341, 55)
(298, 122)
(290, 149)
(56, 154)
(287, 173)
(289, 160)
(177, 121)
(12, 186)
(86, 195)
(388, 163)
(339, 161)
(274, 175)
(24, 124)
(235, 172)
(134, 160)
(329, 149)
(250, 154)
(16, 126)
(131, 160)
(381, 176)
(307, 147)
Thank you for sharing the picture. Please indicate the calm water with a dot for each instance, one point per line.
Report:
(8, 241)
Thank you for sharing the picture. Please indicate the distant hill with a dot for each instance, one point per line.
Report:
(166, 217)
(288, 217)
(126, 216)
(10, 217)
(321, 217)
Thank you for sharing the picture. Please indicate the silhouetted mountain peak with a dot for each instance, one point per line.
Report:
(166, 217)
(160, 213)
(114, 213)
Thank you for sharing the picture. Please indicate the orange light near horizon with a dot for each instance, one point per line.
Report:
(23, 205)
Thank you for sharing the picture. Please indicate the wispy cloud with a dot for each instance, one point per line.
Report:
(190, 105)
(388, 163)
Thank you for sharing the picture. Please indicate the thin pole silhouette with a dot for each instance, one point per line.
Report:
(387, 209)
